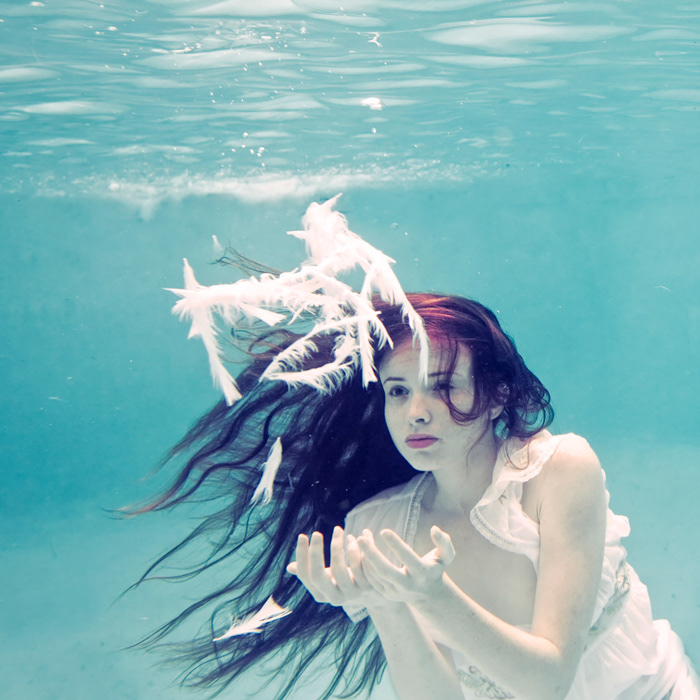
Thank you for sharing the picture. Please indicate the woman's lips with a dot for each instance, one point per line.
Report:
(418, 441)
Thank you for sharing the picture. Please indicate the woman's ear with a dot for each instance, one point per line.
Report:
(495, 411)
(502, 394)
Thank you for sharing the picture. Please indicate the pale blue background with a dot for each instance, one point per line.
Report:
(545, 164)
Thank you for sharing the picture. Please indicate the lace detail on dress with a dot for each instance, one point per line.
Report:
(616, 602)
(482, 686)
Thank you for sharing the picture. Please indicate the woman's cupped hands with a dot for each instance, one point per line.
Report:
(361, 573)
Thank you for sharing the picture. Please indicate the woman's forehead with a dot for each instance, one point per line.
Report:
(405, 357)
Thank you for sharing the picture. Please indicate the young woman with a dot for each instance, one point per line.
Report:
(432, 525)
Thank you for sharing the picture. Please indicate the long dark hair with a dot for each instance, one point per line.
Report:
(337, 453)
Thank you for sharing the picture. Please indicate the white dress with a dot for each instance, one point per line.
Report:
(629, 656)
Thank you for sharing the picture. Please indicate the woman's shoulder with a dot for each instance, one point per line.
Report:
(573, 452)
(570, 463)
(547, 452)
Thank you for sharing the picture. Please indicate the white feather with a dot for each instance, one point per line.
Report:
(267, 480)
(190, 281)
(269, 612)
(325, 379)
(266, 316)
(203, 326)
(217, 247)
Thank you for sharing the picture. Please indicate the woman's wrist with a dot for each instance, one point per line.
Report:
(385, 607)
(428, 595)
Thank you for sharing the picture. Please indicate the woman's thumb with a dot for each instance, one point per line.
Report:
(443, 542)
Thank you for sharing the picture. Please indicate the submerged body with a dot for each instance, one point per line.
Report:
(627, 654)
(474, 550)
(499, 571)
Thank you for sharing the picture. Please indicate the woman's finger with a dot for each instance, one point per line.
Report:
(374, 578)
(317, 565)
(379, 563)
(302, 566)
(356, 563)
(443, 542)
(339, 567)
(302, 555)
(405, 553)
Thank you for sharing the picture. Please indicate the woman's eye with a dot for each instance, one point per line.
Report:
(396, 391)
(443, 387)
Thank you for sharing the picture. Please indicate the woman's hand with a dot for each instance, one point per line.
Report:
(418, 577)
(344, 582)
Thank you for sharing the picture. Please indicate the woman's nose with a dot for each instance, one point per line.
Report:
(419, 412)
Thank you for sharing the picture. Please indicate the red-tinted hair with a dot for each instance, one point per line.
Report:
(500, 375)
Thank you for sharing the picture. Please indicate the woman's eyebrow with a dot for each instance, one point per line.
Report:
(432, 374)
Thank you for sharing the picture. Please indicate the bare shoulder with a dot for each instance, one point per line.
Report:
(573, 458)
(571, 476)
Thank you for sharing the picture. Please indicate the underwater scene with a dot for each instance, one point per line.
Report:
(542, 158)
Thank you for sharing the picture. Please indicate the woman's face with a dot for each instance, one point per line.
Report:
(417, 416)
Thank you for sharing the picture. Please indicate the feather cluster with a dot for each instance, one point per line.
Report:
(314, 289)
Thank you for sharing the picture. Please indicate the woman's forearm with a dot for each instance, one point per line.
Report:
(418, 669)
(529, 666)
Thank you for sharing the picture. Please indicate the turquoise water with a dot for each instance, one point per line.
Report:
(542, 158)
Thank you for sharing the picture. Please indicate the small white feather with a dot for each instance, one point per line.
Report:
(269, 612)
(217, 247)
(203, 326)
(190, 281)
(265, 315)
(267, 480)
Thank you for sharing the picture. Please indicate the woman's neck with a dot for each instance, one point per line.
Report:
(457, 489)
